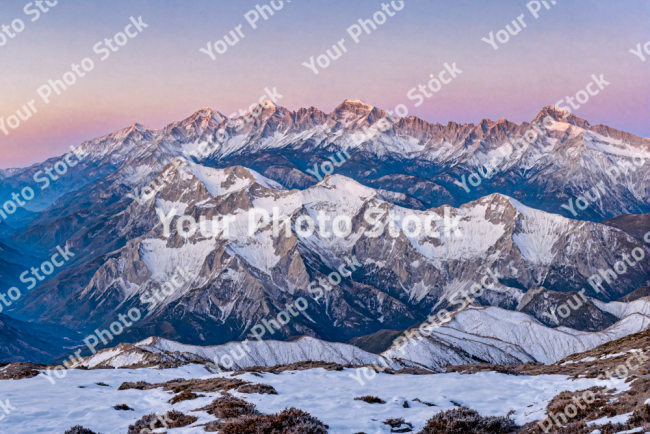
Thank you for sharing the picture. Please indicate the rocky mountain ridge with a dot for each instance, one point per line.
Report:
(107, 209)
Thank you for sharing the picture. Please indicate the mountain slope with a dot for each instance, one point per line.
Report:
(23, 342)
(516, 334)
(240, 280)
(106, 210)
(426, 161)
(636, 225)
(543, 305)
(476, 335)
(232, 356)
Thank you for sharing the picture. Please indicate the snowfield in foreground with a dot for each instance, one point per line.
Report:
(328, 395)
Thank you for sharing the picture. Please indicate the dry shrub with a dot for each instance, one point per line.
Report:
(370, 399)
(140, 385)
(178, 419)
(298, 366)
(185, 395)
(579, 427)
(396, 422)
(214, 426)
(607, 403)
(289, 421)
(257, 388)
(465, 420)
(202, 385)
(172, 419)
(228, 407)
(595, 410)
(640, 416)
(178, 385)
(78, 429)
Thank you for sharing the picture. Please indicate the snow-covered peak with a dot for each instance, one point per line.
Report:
(205, 112)
(125, 132)
(553, 111)
(561, 116)
(358, 101)
(623, 309)
(349, 109)
(347, 185)
(220, 182)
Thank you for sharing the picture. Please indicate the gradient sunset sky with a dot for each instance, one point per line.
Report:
(160, 76)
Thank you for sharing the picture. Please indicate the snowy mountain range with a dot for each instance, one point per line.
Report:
(476, 335)
(419, 159)
(512, 225)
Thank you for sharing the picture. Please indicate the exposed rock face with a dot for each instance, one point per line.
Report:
(637, 225)
(581, 314)
(636, 294)
(238, 281)
(290, 178)
(412, 157)
(377, 342)
(106, 212)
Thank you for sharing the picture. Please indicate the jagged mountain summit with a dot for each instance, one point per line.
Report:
(107, 210)
(430, 163)
(240, 280)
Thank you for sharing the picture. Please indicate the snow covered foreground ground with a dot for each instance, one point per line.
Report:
(328, 395)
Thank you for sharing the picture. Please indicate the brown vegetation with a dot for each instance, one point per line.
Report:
(395, 424)
(298, 366)
(289, 421)
(140, 385)
(577, 368)
(608, 403)
(185, 395)
(78, 429)
(370, 399)
(171, 419)
(640, 416)
(202, 385)
(594, 410)
(228, 407)
(257, 388)
(179, 385)
(18, 371)
(466, 420)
